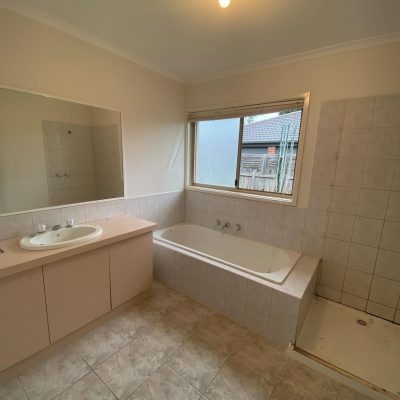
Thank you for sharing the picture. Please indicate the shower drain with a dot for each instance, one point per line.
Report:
(361, 322)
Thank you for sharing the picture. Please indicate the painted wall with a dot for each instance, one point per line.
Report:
(362, 72)
(37, 58)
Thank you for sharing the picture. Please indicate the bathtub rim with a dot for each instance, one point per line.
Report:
(284, 273)
(295, 285)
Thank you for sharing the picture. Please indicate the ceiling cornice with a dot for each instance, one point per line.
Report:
(56, 23)
(72, 30)
(303, 56)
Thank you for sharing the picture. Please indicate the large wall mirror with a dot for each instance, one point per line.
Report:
(55, 152)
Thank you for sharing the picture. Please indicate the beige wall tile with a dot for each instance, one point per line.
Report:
(378, 174)
(372, 203)
(354, 301)
(354, 143)
(385, 291)
(316, 222)
(340, 226)
(380, 310)
(359, 112)
(391, 236)
(396, 176)
(332, 114)
(332, 275)
(336, 251)
(357, 283)
(393, 209)
(362, 258)
(16, 225)
(320, 197)
(345, 199)
(383, 143)
(323, 171)
(313, 245)
(367, 231)
(386, 113)
(388, 264)
(349, 172)
(328, 143)
(329, 293)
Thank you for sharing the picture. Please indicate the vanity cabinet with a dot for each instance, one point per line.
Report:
(131, 268)
(23, 320)
(77, 291)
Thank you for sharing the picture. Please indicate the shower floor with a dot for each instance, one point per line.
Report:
(371, 352)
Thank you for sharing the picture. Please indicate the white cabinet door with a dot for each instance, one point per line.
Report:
(131, 268)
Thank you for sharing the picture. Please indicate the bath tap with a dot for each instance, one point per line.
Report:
(225, 226)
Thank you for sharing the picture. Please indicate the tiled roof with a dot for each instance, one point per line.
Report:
(269, 130)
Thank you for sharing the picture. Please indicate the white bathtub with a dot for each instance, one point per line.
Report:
(262, 260)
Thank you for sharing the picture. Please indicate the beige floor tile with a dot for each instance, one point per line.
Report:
(235, 381)
(88, 388)
(126, 370)
(138, 319)
(164, 299)
(221, 333)
(190, 312)
(197, 362)
(165, 385)
(12, 390)
(101, 343)
(345, 393)
(52, 376)
(165, 337)
(261, 356)
(288, 392)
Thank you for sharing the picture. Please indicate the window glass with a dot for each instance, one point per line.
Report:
(216, 152)
(268, 151)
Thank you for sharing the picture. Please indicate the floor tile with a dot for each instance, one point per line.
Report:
(164, 299)
(138, 319)
(190, 312)
(261, 356)
(126, 370)
(345, 393)
(52, 376)
(221, 332)
(166, 336)
(89, 387)
(235, 381)
(197, 362)
(288, 392)
(102, 342)
(12, 390)
(165, 385)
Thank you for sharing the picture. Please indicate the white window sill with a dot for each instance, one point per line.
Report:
(249, 196)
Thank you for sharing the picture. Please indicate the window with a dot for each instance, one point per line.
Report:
(253, 149)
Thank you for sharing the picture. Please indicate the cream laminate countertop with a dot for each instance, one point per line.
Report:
(15, 260)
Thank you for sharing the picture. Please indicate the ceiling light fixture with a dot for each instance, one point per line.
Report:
(224, 3)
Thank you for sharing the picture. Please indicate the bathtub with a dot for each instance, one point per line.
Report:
(261, 260)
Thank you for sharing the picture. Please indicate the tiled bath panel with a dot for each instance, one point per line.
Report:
(165, 209)
(353, 216)
(272, 313)
(168, 347)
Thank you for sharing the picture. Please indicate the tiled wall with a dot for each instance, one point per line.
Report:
(353, 218)
(263, 309)
(164, 209)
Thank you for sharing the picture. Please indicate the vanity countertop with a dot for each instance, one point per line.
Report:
(15, 260)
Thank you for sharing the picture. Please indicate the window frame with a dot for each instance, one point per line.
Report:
(190, 158)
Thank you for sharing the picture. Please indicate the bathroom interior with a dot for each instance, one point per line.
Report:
(199, 199)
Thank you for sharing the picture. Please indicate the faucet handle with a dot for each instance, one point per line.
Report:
(41, 228)
(218, 222)
(238, 227)
(70, 222)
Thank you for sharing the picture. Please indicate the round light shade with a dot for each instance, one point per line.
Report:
(224, 3)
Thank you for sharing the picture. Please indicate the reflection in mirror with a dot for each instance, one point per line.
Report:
(55, 152)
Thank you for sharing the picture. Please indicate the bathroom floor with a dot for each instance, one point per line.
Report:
(170, 347)
(370, 352)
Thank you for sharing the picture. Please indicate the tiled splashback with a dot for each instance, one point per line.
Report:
(164, 209)
(353, 217)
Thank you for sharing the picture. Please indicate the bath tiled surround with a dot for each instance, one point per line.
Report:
(353, 217)
(170, 347)
(164, 209)
(263, 309)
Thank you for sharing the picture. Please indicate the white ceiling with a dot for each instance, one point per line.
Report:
(193, 40)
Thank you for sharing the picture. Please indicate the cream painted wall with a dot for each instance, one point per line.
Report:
(356, 73)
(37, 58)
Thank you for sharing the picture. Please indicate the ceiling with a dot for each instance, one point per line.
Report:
(192, 40)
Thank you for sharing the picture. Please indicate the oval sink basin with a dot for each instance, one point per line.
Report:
(61, 238)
